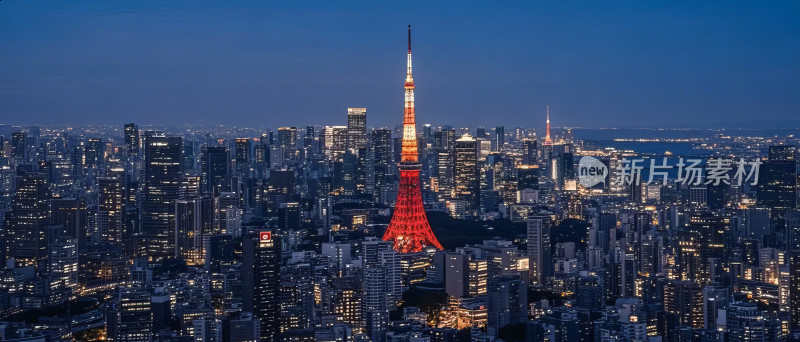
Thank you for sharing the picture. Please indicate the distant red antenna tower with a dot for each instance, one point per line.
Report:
(547, 140)
(409, 228)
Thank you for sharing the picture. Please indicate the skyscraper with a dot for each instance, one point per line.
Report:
(309, 137)
(746, 323)
(19, 145)
(287, 140)
(530, 150)
(444, 143)
(683, 303)
(214, 176)
(356, 129)
(793, 229)
(382, 158)
(499, 138)
(507, 303)
(62, 265)
(467, 183)
(133, 321)
(110, 210)
(189, 231)
(242, 157)
(409, 227)
(162, 177)
(261, 260)
(70, 214)
(26, 223)
(333, 140)
(777, 183)
(94, 151)
(132, 139)
(539, 252)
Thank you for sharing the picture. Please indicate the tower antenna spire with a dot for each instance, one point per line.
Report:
(409, 38)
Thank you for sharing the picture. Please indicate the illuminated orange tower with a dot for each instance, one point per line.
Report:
(547, 140)
(409, 228)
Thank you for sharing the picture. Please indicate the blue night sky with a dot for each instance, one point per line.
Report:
(259, 63)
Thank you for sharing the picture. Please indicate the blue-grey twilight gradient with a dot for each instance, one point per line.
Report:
(264, 63)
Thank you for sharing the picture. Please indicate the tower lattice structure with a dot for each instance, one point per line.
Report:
(409, 228)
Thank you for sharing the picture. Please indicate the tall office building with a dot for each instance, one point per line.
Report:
(309, 138)
(19, 145)
(333, 141)
(261, 260)
(528, 177)
(792, 223)
(507, 303)
(530, 152)
(444, 143)
(683, 303)
(215, 170)
(499, 138)
(62, 266)
(745, 322)
(539, 249)
(94, 152)
(382, 158)
(465, 274)
(133, 318)
(132, 139)
(110, 210)
(188, 156)
(561, 164)
(288, 217)
(711, 233)
(242, 156)
(376, 311)
(162, 177)
(261, 156)
(777, 183)
(347, 302)
(70, 214)
(356, 129)
(466, 185)
(378, 254)
(26, 223)
(189, 231)
(297, 297)
(287, 140)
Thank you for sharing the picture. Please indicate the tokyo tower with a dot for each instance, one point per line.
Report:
(409, 228)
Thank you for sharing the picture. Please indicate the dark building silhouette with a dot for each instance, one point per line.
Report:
(214, 176)
(162, 177)
(777, 183)
(261, 259)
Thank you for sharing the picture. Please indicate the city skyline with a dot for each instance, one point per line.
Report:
(481, 215)
(604, 66)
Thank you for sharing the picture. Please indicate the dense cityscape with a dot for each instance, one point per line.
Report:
(410, 233)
